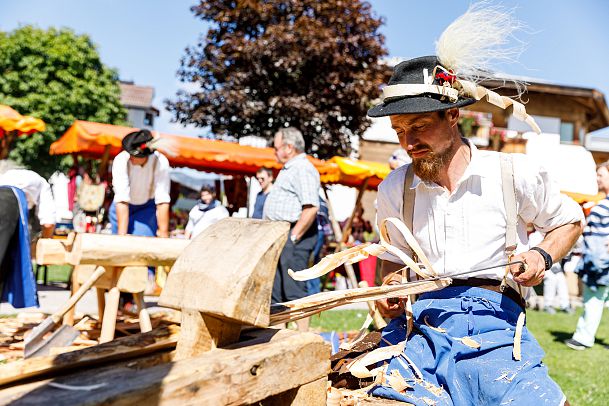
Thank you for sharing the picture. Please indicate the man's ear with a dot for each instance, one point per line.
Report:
(452, 115)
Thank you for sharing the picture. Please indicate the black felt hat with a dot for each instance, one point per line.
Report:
(412, 72)
(136, 143)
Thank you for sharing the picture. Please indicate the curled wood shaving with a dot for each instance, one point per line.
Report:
(396, 381)
(358, 368)
(469, 342)
(412, 243)
(516, 352)
(361, 334)
(333, 261)
(438, 329)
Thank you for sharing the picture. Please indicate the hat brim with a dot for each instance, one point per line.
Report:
(415, 105)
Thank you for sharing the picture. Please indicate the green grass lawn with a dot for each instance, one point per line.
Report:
(582, 375)
(57, 273)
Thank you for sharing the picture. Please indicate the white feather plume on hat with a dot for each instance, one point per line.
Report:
(475, 44)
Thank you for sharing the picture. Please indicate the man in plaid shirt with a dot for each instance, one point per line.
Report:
(295, 199)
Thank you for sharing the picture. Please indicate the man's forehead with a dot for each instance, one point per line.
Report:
(409, 119)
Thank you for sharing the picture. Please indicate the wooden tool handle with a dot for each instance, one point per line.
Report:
(79, 293)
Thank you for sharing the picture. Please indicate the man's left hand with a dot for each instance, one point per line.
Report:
(536, 268)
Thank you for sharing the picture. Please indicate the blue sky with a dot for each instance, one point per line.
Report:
(145, 39)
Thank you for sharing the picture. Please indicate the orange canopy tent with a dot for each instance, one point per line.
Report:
(13, 124)
(11, 120)
(93, 139)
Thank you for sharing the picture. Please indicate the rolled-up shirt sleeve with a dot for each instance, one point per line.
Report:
(120, 178)
(162, 181)
(541, 202)
(45, 207)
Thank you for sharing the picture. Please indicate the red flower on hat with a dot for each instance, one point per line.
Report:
(143, 146)
(443, 76)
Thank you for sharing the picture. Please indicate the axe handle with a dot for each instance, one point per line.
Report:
(99, 271)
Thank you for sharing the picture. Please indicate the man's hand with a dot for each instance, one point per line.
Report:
(392, 307)
(535, 269)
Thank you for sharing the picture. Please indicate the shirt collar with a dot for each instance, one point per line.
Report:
(292, 161)
(474, 168)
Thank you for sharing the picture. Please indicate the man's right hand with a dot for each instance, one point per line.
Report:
(390, 308)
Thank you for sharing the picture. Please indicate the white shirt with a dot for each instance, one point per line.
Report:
(466, 230)
(199, 220)
(137, 184)
(37, 191)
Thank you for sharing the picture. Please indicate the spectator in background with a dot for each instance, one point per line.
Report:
(295, 199)
(594, 267)
(140, 179)
(206, 212)
(265, 178)
(21, 190)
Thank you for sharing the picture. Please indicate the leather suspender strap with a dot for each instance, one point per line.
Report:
(509, 201)
(151, 188)
(408, 200)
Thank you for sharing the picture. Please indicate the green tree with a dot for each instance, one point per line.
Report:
(59, 77)
(265, 64)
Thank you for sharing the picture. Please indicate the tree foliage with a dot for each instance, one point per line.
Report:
(59, 77)
(265, 64)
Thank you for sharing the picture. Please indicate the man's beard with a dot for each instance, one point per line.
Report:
(428, 168)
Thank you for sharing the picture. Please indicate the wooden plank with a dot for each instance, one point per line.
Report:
(307, 306)
(227, 271)
(237, 376)
(122, 348)
(125, 250)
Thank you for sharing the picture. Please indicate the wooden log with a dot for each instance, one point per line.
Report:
(50, 251)
(228, 270)
(243, 375)
(125, 250)
(122, 348)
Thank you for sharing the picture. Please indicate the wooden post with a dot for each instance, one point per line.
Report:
(111, 310)
(145, 324)
(358, 204)
(102, 170)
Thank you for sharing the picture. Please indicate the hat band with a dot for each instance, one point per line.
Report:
(402, 90)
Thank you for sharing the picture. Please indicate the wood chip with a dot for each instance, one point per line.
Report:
(516, 352)
(358, 368)
(469, 342)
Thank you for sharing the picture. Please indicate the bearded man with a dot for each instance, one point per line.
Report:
(468, 210)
